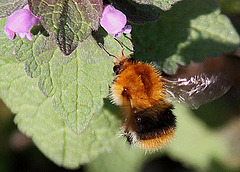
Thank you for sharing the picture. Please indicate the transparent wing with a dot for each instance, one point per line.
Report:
(198, 89)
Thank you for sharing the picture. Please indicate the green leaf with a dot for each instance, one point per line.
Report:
(77, 83)
(137, 13)
(36, 117)
(69, 79)
(81, 84)
(8, 7)
(192, 30)
(123, 157)
(35, 53)
(195, 143)
(163, 4)
(69, 21)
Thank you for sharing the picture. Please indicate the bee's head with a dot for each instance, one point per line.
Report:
(121, 63)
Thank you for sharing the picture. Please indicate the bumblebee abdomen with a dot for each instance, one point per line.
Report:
(151, 128)
(156, 128)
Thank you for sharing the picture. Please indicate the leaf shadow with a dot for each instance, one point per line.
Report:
(111, 108)
(99, 35)
(212, 48)
(137, 13)
(220, 111)
(160, 40)
(217, 165)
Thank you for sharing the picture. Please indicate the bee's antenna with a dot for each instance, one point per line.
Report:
(120, 45)
(101, 45)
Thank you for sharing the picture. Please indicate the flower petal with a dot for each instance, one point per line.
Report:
(21, 35)
(20, 22)
(29, 36)
(112, 20)
(10, 34)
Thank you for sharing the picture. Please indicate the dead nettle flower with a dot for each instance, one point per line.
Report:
(20, 23)
(114, 21)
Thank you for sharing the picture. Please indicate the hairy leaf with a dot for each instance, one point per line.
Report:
(192, 30)
(69, 21)
(36, 117)
(195, 143)
(77, 83)
(163, 4)
(122, 158)
(35, 53)
(137, 13)
(9, 6)
(82, 83)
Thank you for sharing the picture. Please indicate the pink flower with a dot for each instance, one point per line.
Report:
(20, 23)
(114, 21)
